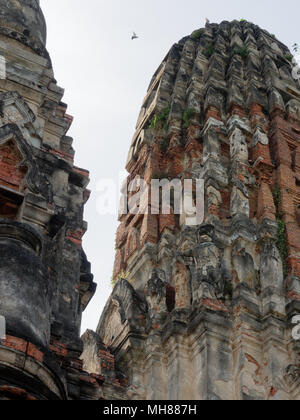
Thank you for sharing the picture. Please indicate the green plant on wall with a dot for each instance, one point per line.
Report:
(277, 197)
(209, 50)
(241, 51)
(281, 232)
(197, 34)
(187, 116)
(160, 120)
(228, 289)
(123, 275)
(289, 57)
(282, 243)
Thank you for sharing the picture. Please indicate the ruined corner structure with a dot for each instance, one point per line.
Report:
(205, 312)
(45, 278)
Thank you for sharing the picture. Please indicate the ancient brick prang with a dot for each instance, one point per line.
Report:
(45, 277)
(205, 311)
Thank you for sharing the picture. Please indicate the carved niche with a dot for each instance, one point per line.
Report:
(14, 110)
(125, 312)
(156, 293)
(181, 281)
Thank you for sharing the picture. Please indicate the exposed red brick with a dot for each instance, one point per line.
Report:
(11, 173)
(216, 305)
(149, 229)
(33, 352)
(213, 112)
(132, 244)
(265, 205)
(58, 348)
(16, 343)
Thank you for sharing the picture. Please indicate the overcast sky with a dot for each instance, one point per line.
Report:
(106, 75)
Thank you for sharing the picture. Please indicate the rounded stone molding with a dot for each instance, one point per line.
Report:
(21, 233)
(24, 21)
(28, 372)
(24, 283)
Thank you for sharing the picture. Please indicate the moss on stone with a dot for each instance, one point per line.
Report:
(228, 289)
(187, 116)
(160, 121)
(197, 34)
(209, 50)
(241, 51)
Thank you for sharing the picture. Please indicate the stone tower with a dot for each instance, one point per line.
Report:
(205, 311)
(45, 278)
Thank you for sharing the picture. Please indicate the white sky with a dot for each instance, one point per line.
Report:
(106, 75)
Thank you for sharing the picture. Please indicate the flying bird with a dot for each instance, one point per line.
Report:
(134, 36)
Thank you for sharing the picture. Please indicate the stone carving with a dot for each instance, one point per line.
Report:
(243, 265)
(181, 280)
(275, 100)
(259, 137)
(188, 241)
(293, 108)
(251, 381)
(236, 122)
(206, 282)
(239, 203)
(33, 178)
(214, 199)
(156, 294)
(14, 110)
(114, 324)
(271, 269)
(238, 146)
(292, 373)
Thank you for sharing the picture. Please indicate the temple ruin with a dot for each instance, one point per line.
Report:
(198, 311)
